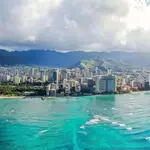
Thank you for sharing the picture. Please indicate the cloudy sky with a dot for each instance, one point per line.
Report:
(67, 25)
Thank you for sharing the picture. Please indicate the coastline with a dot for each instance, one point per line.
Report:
(22, 97)
(138, 92)
(10, 97)
(49, 97)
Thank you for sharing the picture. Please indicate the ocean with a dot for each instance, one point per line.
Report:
(116, 122)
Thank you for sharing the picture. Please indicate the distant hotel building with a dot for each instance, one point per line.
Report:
(106, 84)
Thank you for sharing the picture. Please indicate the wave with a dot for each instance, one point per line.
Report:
(129, 129)
(92, 121)
(147, 138)
(82, 127)
(97, 119)
(122, 125)
(43, 131)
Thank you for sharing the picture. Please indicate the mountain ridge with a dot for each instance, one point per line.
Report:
(68, 59)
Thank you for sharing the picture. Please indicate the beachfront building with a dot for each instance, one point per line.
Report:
(51, 89)
(106, 84)
(97, 79)
(48, 90)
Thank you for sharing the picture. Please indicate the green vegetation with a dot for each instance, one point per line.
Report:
(21, 90)
(87, 64)
(104, 64)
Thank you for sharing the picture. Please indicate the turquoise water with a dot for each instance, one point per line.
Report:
(82, 123)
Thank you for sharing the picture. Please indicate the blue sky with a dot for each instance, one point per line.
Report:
(68, 25)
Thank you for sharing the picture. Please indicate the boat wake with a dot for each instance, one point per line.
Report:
(98, 119)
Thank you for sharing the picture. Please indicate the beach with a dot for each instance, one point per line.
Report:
(11, 97)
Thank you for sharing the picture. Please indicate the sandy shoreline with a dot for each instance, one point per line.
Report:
(10, 97)
(138, 92)
(21, 97)
(24, 97)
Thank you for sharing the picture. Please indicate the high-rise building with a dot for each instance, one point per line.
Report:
(146, 86)
(42, 73)
(65, 82)
(4, 78)
(137, 84)
(78, 73)
(31, 80)
(102, 85)
(107, 84)
(43, 78)
(67, 89)
(86, 73)
(108, 71)
(78, 88)
(96, 70)
(63, 75)
(97, 79)
(90, 82)
(24, 79)
(72, 83)
(56, 76)
(68, 75)
(32, 72)
(148, 78)
(123, 81)
(16, 79)
(48, 90)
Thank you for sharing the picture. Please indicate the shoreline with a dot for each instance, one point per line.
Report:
(11, 97)
(49, 97)
(22, 97)
(136, 92)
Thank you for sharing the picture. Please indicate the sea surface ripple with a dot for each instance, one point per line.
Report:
(76, 123)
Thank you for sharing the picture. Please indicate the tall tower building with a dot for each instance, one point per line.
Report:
(56, 76)
(97, 83)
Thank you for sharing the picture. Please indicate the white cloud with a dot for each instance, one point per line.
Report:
(91, 25)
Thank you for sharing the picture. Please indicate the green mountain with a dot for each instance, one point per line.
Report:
(58, 59)
(104, 64)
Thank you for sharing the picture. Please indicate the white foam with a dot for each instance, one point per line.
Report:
(43, 131)
(105, 119)
(96, 116)
(147, 138)
(130, 114)
(11, 111)
(129, 129)
(114, 123)
(82, 127)
(122, 125)
(101, 118)
(92, 121)
(114, 108)
(105, 109)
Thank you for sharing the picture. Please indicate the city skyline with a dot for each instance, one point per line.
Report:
(64, 82)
